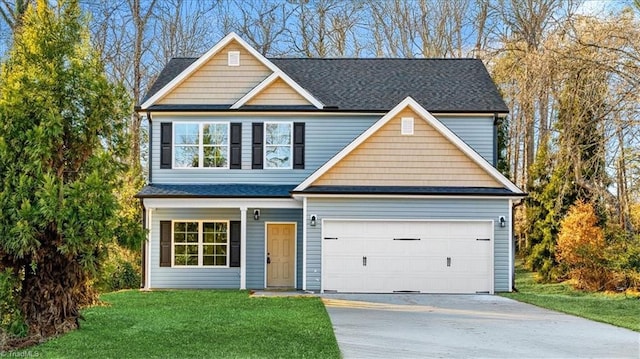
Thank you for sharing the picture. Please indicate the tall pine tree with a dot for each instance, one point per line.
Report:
(576, 168)
(61, 145)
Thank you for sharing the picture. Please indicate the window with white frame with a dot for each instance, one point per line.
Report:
(201, 145)
(200, 243)
(278, 144)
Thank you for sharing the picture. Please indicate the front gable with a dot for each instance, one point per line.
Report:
(424, 158)
(232, 73)
(425, 154)
(278, 93)
(215, 82)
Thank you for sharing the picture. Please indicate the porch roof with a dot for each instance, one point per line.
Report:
(247, 190)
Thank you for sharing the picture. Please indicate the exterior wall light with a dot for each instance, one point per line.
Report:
(503, 222)
(313, 221)
(256, 214)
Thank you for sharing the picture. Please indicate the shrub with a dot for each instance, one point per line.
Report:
(121, 270)
(11, 319)
(581, 248)
(623, 258)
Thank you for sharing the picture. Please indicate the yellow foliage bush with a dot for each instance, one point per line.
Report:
(635, 216)
(581, 248)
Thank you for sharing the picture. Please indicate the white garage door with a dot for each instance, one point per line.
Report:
(411, 256)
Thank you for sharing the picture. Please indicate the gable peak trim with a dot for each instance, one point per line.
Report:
(277, 75)
(425, 115)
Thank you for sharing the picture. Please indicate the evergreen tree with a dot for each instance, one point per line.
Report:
(61, 145)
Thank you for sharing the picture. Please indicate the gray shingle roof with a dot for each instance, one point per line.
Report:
(215, 191)
(439, 85)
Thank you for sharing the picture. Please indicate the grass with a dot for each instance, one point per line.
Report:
(618, 309)
(198, 324)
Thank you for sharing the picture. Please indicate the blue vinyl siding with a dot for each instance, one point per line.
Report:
(165, 277)
(477, 132)
(453, 209)
(325, 137)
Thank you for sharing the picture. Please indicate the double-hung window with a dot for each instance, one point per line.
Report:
(201, 145)
(278, 145)
(201, 243)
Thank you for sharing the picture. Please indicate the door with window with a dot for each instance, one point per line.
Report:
(281, 238)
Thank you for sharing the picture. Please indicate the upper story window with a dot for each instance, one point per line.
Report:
(201, 145)
(278, 144)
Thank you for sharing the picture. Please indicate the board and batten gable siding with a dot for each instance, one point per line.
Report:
(424, 158)
(216, 83)
(325, 136)
(192, 277)
(256, 231)
(279, 93)
(408, 208)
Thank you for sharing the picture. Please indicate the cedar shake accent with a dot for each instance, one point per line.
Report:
(425, 158)
(279, 93)
(217, 83)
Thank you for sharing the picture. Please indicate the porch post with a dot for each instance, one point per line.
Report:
(304, 243)
(243, 247)
(147, 250)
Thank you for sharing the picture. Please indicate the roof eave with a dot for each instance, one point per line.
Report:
(325, 109)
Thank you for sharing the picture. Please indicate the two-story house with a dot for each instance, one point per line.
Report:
(350, 175)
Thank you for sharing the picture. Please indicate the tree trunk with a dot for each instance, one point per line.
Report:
(54, 292)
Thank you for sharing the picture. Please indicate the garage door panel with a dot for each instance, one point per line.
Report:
(447, 258)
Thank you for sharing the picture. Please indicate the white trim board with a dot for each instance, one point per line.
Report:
(221, 203)
(401, 196)
(409, 102)
(215, 50)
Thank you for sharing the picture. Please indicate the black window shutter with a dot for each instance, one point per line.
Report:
(234, 243)
(165, 243)
(256, 145)
(298, 145)
(235, 148)
(166, 136)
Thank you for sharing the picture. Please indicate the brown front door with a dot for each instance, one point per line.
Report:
(281, 255)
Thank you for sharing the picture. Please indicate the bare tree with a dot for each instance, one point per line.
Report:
(393, 26)
(526, 23)
(327, 28)
(182, 28)
(263, 24)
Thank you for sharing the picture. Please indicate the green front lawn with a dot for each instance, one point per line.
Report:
(618, 309)
(198, 324)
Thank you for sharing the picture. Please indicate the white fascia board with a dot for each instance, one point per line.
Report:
(212, 52)
(429, 118)
(229, 113)
(302, 196)
(221, 203)
(299, 89)
(255, 91)
(268, 81)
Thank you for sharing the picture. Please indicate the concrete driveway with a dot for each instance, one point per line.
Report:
(467, 326)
